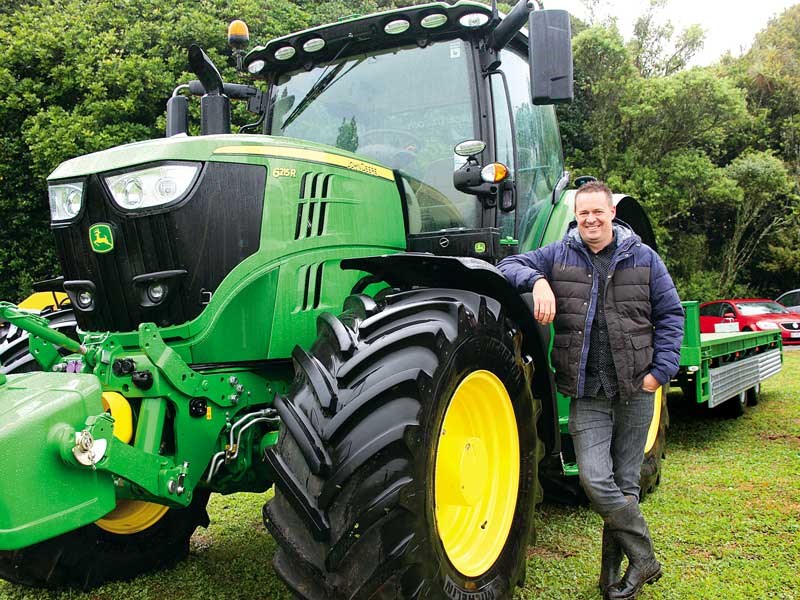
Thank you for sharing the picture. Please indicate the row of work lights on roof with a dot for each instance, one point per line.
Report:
(392, 27)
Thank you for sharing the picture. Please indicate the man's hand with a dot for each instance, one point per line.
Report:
(544, 302)
(650, 383)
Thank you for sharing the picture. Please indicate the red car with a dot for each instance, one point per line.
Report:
(750, 314)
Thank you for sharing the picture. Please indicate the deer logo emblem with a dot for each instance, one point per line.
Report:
(101, 238)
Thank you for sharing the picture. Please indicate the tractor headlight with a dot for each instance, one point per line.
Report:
(65, 200)
(151, 187)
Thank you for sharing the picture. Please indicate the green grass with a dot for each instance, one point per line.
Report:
(726, 523)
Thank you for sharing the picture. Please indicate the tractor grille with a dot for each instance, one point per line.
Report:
(201, 239)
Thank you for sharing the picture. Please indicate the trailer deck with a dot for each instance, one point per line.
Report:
(724, 366)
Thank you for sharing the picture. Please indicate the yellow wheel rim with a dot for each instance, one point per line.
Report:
(132, 516)
(118, 405)
(41, 300)
(652, 433)
(477, 473)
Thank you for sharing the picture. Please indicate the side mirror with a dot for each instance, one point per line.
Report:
(550, 56)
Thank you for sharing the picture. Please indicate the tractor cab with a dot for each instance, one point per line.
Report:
(406, 87)
(406, 108)
(403, 88)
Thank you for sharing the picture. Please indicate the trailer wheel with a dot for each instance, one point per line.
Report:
(656, 446)
(91, 556)
(754, 394)
(134, 538)
(408, 455)
(735, 407)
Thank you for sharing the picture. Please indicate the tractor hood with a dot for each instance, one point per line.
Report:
(159, 225)
(212, 147)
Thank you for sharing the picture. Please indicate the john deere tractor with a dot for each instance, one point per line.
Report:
(393, 159)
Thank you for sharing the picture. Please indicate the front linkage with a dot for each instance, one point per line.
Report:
(147, 426)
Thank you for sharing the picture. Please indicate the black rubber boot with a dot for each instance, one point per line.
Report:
(630, 530)
(610, 560)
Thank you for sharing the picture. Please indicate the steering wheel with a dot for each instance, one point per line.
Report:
(383, 134)
(398, 153)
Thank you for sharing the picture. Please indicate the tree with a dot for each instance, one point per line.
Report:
(347, 139)
(770, 73)
(605, 80)
(662, 139)
(656, 51)
(766, 204)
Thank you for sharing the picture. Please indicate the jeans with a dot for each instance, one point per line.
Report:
(609, 436)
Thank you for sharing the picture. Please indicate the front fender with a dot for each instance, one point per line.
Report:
(410, 269)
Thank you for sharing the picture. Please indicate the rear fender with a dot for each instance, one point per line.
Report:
(409, 269)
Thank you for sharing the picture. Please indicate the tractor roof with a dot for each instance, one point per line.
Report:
(420, 25)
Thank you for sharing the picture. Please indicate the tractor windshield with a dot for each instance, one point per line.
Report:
(405, 108)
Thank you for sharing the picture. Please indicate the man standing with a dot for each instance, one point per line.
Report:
(618, 328)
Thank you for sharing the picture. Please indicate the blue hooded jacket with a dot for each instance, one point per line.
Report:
(644, 314)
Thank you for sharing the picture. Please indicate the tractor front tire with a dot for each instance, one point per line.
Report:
(15, 356)
(90, 556)
(408, 455)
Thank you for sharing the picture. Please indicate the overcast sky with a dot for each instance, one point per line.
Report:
(729, 25)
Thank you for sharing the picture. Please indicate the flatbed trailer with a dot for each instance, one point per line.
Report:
(725, 369)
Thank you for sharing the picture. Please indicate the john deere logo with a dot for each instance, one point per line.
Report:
(101, 238)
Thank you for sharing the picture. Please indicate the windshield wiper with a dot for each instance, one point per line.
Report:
(320, 86)
(325, 80)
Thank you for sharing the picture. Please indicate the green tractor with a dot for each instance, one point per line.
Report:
(394, 159)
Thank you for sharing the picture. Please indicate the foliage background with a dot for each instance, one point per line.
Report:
(712, 152)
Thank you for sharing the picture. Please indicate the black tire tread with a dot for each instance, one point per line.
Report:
(14, 353)
(650, 475)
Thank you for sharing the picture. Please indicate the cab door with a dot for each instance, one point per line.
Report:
(528, 142)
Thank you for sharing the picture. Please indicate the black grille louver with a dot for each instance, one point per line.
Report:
(312, 210)
(206, 235)
(311, 276)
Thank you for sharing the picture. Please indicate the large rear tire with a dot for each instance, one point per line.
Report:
(135, 538)
(408, 456)
(655, 449)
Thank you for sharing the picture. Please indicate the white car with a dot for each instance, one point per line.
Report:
(790, 300)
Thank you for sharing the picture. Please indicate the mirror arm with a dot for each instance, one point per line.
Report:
(509, 26)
